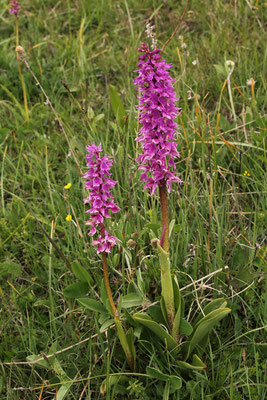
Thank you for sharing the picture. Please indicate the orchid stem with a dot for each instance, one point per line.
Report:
(119, 327)
(164, 215)
(106, 279)
(163, 250)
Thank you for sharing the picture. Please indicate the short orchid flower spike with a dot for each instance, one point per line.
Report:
(99, 183)
(15, 7)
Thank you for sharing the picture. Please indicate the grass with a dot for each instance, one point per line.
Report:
(219, 213)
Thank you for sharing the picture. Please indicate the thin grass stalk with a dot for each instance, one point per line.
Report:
(20, 74)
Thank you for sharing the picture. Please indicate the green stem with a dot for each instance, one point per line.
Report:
(20, 74)
(166, 284)
(120, 330)
(164, 215)
(106, 280)
(163, 249)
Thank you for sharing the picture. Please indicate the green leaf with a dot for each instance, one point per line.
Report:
(185, 327)
(156, 374)
(130, 319)
(76, 290)
(92, 304)
(106, 325)
(178, 307)
(171, 225)
(155, 313)
(213, 305)
(196, 365)
(63, 391)
(65, 387)
(81, 273)
(41, 363)
(197, 362)
(163, 310)
(153, 227)
(117, 106)
(166, 391)
(103, 318)
(175, 381)
(167, 291)
(204, 327)
(130, 341)
(140, 281)
(131, 300)
(145, 320)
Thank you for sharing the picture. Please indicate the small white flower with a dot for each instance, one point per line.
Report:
(195, 62)
(184, 46)
(180, 37)
(189, 94)
(251, 82)
(186, 53)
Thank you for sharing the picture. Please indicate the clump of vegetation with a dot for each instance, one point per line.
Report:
(191, 313)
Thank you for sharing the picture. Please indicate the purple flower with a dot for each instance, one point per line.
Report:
(15, 7)
(99, 184)
(157, 114)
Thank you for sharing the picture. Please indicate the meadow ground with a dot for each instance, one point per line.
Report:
(77, 49)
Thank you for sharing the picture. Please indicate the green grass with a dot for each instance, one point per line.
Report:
(219, 212)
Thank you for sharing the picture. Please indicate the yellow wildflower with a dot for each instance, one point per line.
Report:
(68, 186)
(68, 217)
(246, 173)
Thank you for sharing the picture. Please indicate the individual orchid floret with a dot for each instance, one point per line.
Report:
(15, 7)
(99, 183)
(157, 114)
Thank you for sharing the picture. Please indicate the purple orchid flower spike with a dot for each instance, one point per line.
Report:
(15, 7)
(157, 114)
(99, 183)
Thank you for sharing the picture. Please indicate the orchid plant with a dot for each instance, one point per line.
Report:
(157, 138)
(99, 183)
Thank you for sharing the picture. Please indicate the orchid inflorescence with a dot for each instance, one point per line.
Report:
(157, 114)
(15, 7)
(99, 183)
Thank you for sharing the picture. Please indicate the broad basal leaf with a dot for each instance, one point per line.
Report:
(145, 320)
(92, 304)
(204, 327)
(76, 290)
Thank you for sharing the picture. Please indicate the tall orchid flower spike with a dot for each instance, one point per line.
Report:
(157, 113)
(99, 183)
